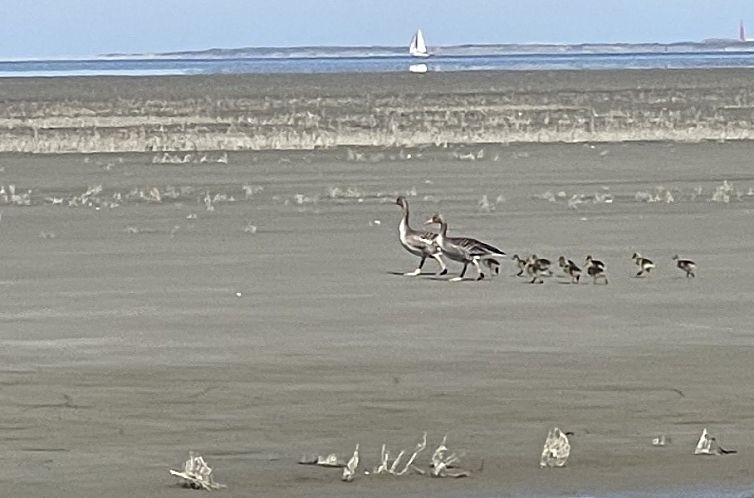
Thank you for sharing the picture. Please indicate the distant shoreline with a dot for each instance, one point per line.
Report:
(491, 49)
(711, 45)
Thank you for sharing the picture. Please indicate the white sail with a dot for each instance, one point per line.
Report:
(418, 47)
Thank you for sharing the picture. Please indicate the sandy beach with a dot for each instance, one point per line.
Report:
(125, 343)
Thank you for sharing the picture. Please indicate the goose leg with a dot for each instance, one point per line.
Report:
(460, 277)
(479, 269)
(641, 272)
(443, 268)
(418, 270)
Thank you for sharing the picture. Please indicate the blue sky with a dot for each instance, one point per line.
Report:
(59, 28)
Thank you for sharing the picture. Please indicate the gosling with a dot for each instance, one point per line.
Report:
(686, 265)
(645, 265)
(570, 268)
(596, 269)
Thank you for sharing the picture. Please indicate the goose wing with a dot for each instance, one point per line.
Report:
(421, 239)
(476, 248)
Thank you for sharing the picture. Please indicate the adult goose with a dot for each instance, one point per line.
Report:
(464, 249)
(420, 243)
(686, 265)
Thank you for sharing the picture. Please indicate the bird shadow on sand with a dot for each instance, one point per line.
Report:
(422, 274)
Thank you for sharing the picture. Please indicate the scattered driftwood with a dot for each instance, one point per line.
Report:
(441, 462)
(556, 450)
(386, 468)
(349, 471)
(196, 474)
(708, 445)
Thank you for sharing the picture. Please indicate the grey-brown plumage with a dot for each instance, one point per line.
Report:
(521, 264)
(537, 268)
(464, 249)
(420, 243)
(596, 269)
(645, 265)
(686, 265)
(570, 268)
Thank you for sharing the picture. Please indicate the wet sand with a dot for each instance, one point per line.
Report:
(124, 345)
(307, 112)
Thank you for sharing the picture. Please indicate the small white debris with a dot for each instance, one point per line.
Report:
(238, 294)
(484, 205)
(575, 201)
(197, 474)
(557, 449)
(661, 440)
(191, 216)
(349, 471)
(386, 468)
(708, 445)
(548, 196)
(330, 460)
(441, 462)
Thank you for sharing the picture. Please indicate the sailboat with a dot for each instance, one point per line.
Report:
(418, 47)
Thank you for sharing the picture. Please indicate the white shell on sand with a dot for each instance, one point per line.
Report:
(556, 450)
